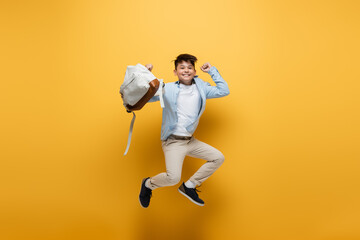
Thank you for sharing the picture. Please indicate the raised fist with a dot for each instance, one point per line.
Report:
(149, 66)
(205, 67)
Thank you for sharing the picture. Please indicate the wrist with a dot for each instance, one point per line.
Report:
(211, 69)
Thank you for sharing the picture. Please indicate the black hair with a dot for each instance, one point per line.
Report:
(185, 57)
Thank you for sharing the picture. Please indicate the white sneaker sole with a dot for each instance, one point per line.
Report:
(199, 204)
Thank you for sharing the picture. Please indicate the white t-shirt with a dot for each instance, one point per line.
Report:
(188, 107)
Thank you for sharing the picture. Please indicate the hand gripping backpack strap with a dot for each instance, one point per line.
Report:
(130, 133)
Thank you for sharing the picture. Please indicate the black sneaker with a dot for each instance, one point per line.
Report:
(191, 194)
(145, 194)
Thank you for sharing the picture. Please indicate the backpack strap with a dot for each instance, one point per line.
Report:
(161, 93)
(130, 133)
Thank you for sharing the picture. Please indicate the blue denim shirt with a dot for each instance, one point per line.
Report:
(169, 115)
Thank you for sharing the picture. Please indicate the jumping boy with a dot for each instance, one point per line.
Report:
(184, 104)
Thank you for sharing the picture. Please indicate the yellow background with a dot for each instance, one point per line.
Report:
(289, 128)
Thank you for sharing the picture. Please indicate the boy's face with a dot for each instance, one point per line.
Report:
(185, 72)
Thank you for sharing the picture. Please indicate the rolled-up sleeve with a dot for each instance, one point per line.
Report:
(221, 89)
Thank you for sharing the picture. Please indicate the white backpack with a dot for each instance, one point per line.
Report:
(138, 87)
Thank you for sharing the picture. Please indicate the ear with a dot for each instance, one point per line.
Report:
(175, 72)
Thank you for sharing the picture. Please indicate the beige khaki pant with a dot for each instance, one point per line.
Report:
(175, 152)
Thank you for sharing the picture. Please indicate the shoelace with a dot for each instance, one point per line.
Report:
(196, 191)
(147, 191)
